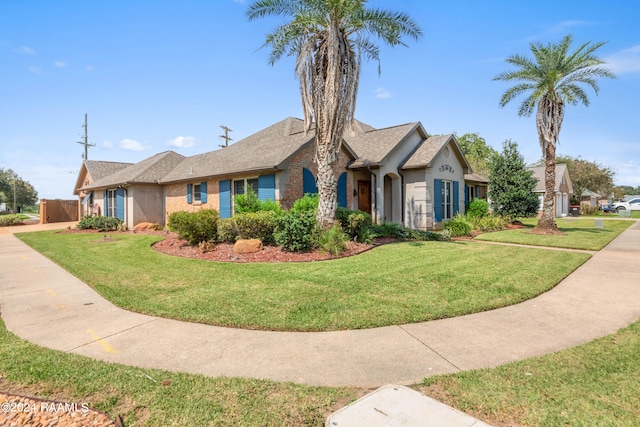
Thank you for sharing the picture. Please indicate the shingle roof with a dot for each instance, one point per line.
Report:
(475, 177)
(538, 173)
(264, 150)
(97, 169)
(149, 170)
(373, 145)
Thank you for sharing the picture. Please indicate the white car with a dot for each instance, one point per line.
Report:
(631, 205)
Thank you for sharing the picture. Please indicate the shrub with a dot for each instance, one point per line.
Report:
(478, 208)
(308, 202)
(332, 240)
(489, 223)
(195, 227)
(100, 223)
(588, 209)
(458, 226)
(355, 223)
(422, 235)
(10, 220)
(249, 202)
(256, 225)
(227, 230)
(389, 229)
(294, 230)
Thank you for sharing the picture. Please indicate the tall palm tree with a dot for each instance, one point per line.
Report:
(550, 80)
(329, 38)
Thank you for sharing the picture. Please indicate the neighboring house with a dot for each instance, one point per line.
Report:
(476, 187)
(398, 174)
(133, 193)
(563, 188)
(590, 198)
(91, 171)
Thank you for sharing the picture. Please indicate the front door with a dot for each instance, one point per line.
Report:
(364, 196)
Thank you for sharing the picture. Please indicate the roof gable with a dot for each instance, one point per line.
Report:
(429, 149)
(94, 170)
(373, 146)
(561, 172)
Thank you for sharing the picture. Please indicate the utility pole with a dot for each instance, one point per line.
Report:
(226, 136)
(85, 141)
(15, 178)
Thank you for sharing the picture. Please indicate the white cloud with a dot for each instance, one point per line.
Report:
(382, 93)
(624, 61)
(183, 142)
(133, 145)
(59, 64)
(108, 144)
(26, 50)
(35, 70)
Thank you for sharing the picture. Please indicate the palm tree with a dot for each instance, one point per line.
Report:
(328, 39)
(551, 80)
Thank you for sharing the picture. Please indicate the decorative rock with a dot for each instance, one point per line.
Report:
(247, 246)
(147, 226)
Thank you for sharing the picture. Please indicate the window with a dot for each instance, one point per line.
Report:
(111, 203)
(447, 200)
(196, 193)
(239, 186)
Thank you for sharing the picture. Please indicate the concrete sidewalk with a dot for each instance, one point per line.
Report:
(46, 305)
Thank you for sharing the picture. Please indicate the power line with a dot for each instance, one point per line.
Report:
(85, 141)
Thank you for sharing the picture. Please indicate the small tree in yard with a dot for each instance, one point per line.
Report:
(511, 184)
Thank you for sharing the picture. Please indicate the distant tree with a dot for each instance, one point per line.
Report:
(25, 194)
(477, 152)
(511, 185)
(626, 190)
(587, 175)
(552, 79)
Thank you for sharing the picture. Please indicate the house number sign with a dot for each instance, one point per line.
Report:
(445, 168)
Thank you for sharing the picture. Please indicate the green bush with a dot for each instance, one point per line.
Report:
(478, 208)
(256, 225)
(356, 224)
(458, 226)
(308, 202)
(489, 223)
(389, 229)
(100, 223)
(249, 202)
(227, 230)
(332, 240)
(195, 227)
(10, 220)
(294, 230)
(422, 235)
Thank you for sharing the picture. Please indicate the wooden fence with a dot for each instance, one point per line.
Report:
(58, 210)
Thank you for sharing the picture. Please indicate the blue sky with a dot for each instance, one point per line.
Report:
(164, 75)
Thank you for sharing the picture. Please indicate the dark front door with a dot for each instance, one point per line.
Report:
(364, 196)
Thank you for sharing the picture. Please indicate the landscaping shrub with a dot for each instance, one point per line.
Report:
(458, 226)
(332, 240)
(489, 223)
(249, 202)
(294, 230)
(195, 227)
(478, 208)
(308, 202)
(100, 223)
(256, 225)
(588, 209)
(423, 235)
(10, 220)
(227, 230)
(389, 229)
(356, 224)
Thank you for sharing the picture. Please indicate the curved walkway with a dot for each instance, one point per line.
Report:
(44, 304)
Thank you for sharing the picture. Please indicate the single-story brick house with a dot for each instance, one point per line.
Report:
(563, 188)
(91, 171)
(398, 174)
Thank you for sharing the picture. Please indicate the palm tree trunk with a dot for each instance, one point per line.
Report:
(549, 120)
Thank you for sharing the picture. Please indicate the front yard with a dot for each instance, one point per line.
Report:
(389, 285)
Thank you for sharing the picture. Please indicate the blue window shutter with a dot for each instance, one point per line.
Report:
(203, 192)
(308, 182)
(466, 195)
(342, 190)
(189, 193)
(105, 212)
(437, 199)
(120, 203)
(267, 187)
(225, 198)
(456, 198)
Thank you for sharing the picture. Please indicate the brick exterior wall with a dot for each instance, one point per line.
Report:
(305, 158)
(176, 198)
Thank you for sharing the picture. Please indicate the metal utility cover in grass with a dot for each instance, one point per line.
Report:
(394, 405)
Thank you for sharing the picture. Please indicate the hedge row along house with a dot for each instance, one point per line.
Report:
(398, 174)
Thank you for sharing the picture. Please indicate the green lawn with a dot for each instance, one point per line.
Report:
(151, 397)
(579, 234)
(393, 284)
(595, 384)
